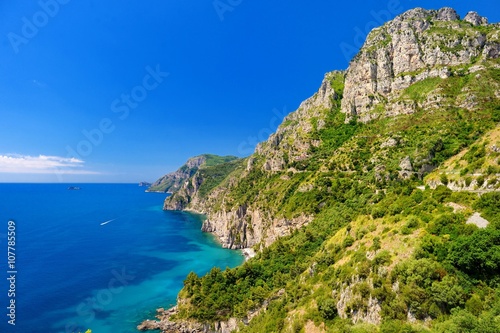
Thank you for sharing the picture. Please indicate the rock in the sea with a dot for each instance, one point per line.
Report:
(148, 325)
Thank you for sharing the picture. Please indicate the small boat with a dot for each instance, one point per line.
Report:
(74, 188)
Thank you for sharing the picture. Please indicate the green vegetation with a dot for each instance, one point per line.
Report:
(212, 160)
(173, 181)
(383, 252)
(213, 174)
(451, 277)
(419, 91)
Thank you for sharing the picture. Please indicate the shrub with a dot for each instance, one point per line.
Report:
(474, 305)
(382, 258)
(447, 293)
(480, 181)
(378, 212)
(328, 308)
(441, 193)
(444, 179)
(348, 241)
(446, 224)
(410, 225)
(396, 326)
(376, 244)
(477, 254)
(468, 181)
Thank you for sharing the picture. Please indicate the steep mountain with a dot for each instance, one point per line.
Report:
(363, 206)
(417, 46)
(204, 179)
(173, 181)
(247, 208)
(422, 61)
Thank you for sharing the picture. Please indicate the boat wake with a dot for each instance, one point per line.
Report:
(103, 223)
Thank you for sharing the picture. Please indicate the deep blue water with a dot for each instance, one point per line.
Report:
(74, 273)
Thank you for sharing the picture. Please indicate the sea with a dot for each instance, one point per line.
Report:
(103, 257)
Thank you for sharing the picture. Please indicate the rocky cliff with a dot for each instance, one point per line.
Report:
(344, 176)
(415, 46)
(398, 71)
(292, 141)
(173, 181)
(237, 210)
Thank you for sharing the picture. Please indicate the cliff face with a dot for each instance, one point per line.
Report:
(415, 46)
(422, 61)
(205, 177)
(240, 219)
(174, 181)
(292, 141)
(419, 105)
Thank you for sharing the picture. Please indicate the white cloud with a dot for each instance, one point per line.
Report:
(42, 164)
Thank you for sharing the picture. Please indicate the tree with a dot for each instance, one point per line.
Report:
(327, 308)
(447, 293)
(477, 254)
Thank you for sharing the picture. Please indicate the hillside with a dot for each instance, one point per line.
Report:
(172, 182)
(358, 205)
(449, 81)
(475, 169)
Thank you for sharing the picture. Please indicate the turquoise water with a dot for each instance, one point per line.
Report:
(104, 257)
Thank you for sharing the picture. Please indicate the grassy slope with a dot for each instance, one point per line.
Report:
(371, 230)
(210, 161)
(474, 166)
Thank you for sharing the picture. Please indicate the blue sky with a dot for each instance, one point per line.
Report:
(114, 91)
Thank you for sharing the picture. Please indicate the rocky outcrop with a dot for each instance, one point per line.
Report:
(292, 141)
(406, 168)
(247, 227)
(347, 308)
(416, 45)
(478, 220)
(173, 181)
(475, 19)
(165, 325)
(181, 199)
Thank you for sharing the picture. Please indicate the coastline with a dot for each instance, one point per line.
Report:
(162, 321)
(164, 324)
